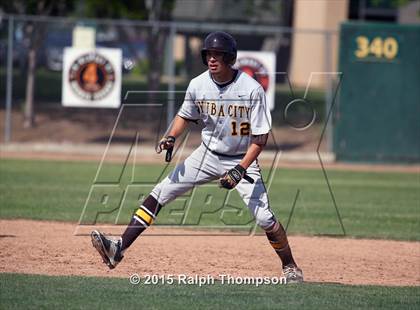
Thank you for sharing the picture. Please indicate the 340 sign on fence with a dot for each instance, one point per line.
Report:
(378, 47)
(378, 115)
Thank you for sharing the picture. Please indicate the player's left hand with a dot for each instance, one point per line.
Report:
(232, 177)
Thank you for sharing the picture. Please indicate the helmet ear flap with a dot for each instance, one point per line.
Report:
(229, 59)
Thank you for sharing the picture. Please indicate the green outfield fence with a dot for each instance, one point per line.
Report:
(378, 114)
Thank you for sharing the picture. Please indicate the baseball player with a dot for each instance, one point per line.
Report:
(232, 106)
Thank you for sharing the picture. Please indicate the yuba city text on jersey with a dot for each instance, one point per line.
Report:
(221, 110)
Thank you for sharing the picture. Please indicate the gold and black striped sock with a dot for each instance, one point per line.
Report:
(142, 218)
(278, 240)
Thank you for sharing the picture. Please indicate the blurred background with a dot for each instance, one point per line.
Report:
(355, 62)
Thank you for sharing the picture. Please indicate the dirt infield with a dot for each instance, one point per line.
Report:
(51, 248)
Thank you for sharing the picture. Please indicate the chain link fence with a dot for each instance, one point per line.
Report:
(158, 60)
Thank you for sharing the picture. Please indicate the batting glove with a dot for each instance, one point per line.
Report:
(165, 143)
(232, 177)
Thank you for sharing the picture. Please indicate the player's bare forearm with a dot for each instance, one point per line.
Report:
(168, 141)
(178, 127)
(254, 149)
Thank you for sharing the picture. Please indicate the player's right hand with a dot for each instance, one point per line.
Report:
(165, 143)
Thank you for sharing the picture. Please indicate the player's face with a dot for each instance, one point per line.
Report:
(215, 62)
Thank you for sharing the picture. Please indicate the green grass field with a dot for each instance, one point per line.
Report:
(110, 293)
(371, 205)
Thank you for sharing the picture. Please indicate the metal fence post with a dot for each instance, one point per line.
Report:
(328, 91)
(171, 77)
(8, 114)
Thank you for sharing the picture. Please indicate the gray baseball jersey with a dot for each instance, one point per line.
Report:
(231, 114)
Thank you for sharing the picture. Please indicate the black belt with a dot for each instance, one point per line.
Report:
(220, 154)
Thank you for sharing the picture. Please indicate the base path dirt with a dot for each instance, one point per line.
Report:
(51, 248)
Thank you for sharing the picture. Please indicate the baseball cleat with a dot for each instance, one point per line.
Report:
(110, 250)
(293, 274)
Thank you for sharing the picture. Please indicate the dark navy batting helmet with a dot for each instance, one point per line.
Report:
(222, 42)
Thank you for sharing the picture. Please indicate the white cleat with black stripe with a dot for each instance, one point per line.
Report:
(109, 249)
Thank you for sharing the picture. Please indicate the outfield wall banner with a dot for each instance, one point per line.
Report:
(92, 77)
(262, 67)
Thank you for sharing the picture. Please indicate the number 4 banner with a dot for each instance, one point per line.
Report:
(92, 77)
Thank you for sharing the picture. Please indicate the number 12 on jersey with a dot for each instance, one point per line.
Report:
(243, 128)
